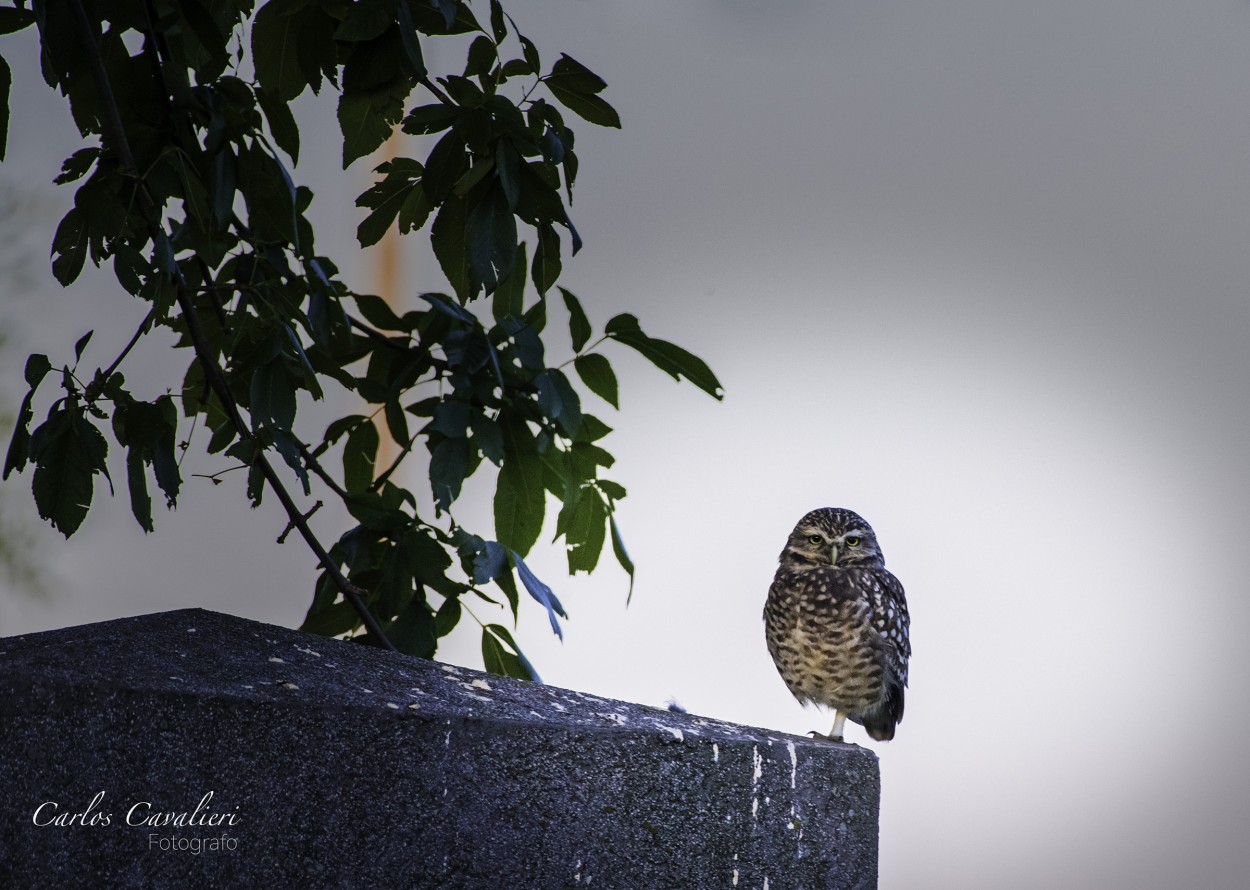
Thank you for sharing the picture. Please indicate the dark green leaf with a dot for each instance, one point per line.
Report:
(223, 434)
(446, 163)
(378, 312)
(273, 395)
(366, 120)
(497, 25)
(77, 165)
(481, 59)
(449, 464)
(509, 298)
(542, 593)
(592, 429)
(334, 619)
(69, 247)
(531, 53)
(591, 108)
(472, 177)
(281, 123)
(15, 19)
(447, 617)
(488, 437)
(448, 308)
(502, 656)
(519, 495)
(575, 76)
(490, 563)
(212, 42)
(68, 451)
(359, 455)
(579, 324)
(411, 42)
(585, 532)
(546, 258)
(451, 418)
(225, 181)
(450, 248)
(668, 357)
(275, 43)
(574, 86)
(492, 654)
(507, 583)
(338, 428)
(516, 68)
(413, 631)
(508, 164)
(37, 366)
(596, 372)
(6, 84)
(365, 20)
(570, 419)
(463, 91)
(164, 460)
(396, 421)
(448, 9)
(137, 480)
(387, 198)
(491, 238)
(618, 548)
(288, 446)
(375, 513)
(431, 118)
(428, 562)
(81, 345)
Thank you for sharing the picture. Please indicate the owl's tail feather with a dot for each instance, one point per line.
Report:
(880, 721)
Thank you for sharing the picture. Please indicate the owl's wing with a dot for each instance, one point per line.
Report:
(890, 616)
(882, 594)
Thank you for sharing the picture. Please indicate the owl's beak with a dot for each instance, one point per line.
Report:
(833, 555)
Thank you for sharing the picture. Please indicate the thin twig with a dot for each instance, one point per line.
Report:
(290, 525)
(374, 334)
(403, 452)
(144, 327)
(425, 81)
(315, 465)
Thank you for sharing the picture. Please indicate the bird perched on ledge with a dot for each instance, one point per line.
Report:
(836, 623)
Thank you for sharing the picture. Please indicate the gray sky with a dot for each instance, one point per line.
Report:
(976, 270)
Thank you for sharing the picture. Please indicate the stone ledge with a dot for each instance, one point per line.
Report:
(337, 765)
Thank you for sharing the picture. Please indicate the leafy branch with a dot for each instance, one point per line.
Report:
(188, 196)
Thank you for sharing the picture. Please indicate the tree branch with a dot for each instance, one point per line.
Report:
(115, 134)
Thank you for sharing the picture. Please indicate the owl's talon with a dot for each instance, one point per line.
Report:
(828, 738)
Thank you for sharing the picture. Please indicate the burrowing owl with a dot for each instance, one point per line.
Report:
(836, 622)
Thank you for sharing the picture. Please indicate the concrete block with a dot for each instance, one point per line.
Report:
(193, 749)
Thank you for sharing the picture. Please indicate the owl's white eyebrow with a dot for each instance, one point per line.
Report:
(855, 533)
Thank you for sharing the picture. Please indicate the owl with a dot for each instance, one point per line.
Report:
(836, 623)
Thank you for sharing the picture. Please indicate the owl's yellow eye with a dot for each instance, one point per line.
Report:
(815, 539)
(851, 542)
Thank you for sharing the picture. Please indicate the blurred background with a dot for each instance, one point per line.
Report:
(976, 270)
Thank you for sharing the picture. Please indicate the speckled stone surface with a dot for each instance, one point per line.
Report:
(328, 764)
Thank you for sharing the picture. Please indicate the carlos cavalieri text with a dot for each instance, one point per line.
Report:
(141, 813)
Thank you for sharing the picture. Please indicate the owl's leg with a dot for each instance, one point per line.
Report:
(835, 734)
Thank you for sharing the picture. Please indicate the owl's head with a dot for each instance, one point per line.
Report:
(832, 536)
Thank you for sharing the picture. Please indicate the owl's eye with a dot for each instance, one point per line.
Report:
(815, 539)
(852, 542)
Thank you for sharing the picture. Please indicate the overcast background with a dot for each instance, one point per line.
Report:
(977, 270)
